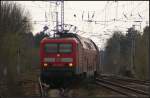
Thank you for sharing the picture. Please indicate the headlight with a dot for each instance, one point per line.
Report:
(70, 64)
(45, 64)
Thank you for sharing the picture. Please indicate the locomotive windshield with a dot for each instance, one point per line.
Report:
(58, 48)
(65, 48)
(51, 48)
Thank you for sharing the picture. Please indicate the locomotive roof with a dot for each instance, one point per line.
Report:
(68, 36)
(48, 39)
(85, 42)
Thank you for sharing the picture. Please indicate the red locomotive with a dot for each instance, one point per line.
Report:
(67, 57)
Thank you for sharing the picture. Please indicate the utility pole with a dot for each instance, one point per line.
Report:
(18, 61)
(133, 54)
(56, 21)
(59, 13)
(148, 40)
(56, 16)
(133, 51)
(62, 15)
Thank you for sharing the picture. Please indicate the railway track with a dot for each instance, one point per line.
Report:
(126, 80)
(132, 80)
(37, 88)
(33, 86)
(121, 89)
(45, 89)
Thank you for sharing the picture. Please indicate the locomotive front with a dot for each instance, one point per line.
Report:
(58, 58)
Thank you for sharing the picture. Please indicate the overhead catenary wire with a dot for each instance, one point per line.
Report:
(137, 15)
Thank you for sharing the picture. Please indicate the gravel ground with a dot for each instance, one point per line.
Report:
(86, 90)
(29, 87)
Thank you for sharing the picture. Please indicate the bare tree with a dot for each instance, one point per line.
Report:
(14, 24)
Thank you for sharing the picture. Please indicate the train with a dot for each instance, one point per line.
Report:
(68, 57)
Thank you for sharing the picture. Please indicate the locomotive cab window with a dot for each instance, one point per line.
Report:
(51, 48)
(65, 48)
(58, 48)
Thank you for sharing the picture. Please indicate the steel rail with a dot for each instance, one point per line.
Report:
(113, 88)
(122, 86)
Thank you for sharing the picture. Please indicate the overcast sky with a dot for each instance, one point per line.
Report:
(126, 11)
